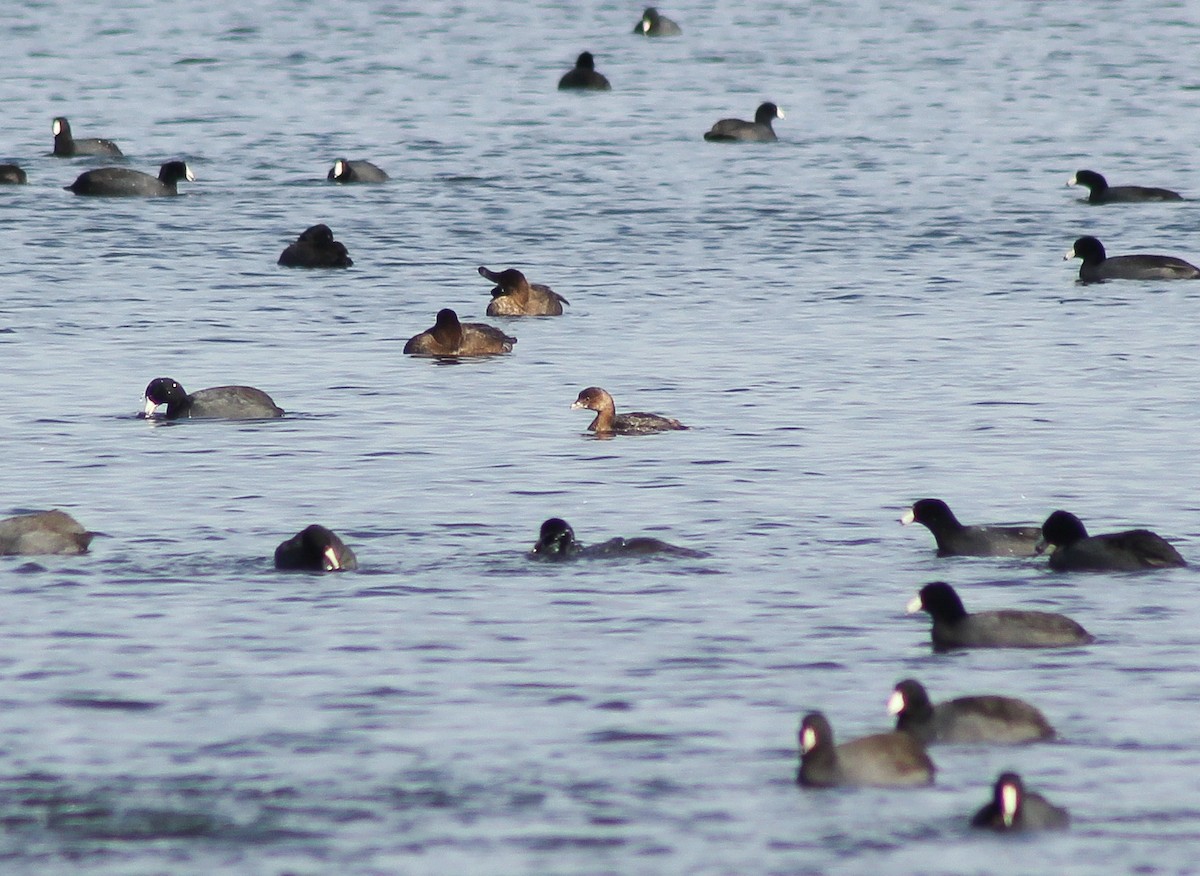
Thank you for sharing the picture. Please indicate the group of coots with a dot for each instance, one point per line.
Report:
(899, 758)
(893, 759)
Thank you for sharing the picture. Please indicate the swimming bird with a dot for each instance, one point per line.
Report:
(315, 549)
(41, 533)
(556, 541)
(1098, 267)
(608, 421)
(758, 131)
(11, 174)
(1012, 808)
(225, 402)
(344, 171)
(449, 337)
(965, 720)
(955, 539)
(66, 146)
(652, 24)
(516, 296)
(953, 627)
(1100, 192)
(316, 248)
(882, 760)
(1130, 550)
(584, 77)
(121, 182)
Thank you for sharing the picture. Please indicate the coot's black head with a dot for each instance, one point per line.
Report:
(321, 546)
(585, 61)
(61, 127)
(1094, 181)
(174, 171)
(909, 701)
(164, 391)
(1007, 795)
(649, 18)
(556, 539)
(318, 235)
(940, 600)
(767, 112)
(1087, 248)
(815, 733)
(340, 170)
(1062, 528)
(933, 513)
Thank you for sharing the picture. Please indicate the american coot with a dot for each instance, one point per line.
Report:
(953, 627)
(556, 541)
(1100, 192)
(955, 539)
(516, 296)
(881, 760)
(315, 549)
(1131, 550)
(609, 421)
(1097, 267)
(449, 337)
(584, 77)
(316, 248)
(736, 130)
(227, 402)
(66, 146)
(655, 25)
(121, 182)
(344, 171)
(11, 174)
(966, 720)
(43, 532)
(1012, 808)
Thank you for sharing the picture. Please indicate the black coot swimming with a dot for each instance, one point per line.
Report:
(121, 182)
(227, 402)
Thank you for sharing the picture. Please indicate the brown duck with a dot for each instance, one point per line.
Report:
(516, 296)
(449, 337)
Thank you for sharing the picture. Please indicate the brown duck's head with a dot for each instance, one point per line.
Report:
(594, 399)
(507, 281)
(447, 329)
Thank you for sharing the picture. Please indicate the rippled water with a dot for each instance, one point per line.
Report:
(872, 310)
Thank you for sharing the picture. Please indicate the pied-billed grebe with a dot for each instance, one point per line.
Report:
(556, 541)
(43, 532)
(12, 174)
(1075, 550)
(66, 146)
(652, 24)
(953, 627)
(516, 296)
(956, 540)
(121, 182)
(584, 77)
(737, 130)
(227, 402)
(344, 171)
(882, 760)
(1100, 192)
(316, 248)
(1098, 267)
(608, 421)
(315, 549)
(966, 720)
(1012, 808)
(449, 337)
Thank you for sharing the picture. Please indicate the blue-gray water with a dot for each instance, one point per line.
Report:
(872, 310)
